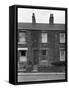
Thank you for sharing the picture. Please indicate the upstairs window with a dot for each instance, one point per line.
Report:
(22, 37)
(62, 37)
(44, 37)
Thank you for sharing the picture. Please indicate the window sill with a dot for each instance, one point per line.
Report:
(21, 42)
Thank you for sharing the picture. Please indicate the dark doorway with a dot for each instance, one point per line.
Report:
(35, 56)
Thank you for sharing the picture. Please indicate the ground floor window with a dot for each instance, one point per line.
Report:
(22, 54)
(44, 52)
(62, 54)
(43, 60)
(22, 59)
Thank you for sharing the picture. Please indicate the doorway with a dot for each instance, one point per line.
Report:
(35, 56)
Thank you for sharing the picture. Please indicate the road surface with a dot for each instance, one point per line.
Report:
(24, 77)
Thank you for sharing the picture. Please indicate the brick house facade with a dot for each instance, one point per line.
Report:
(40, 44)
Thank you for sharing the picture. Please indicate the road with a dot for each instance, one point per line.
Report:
(23, 77)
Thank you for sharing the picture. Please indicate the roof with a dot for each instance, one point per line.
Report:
(41, 26)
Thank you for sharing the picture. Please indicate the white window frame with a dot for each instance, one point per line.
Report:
(24, 57)
(24, 38)
(62, 40)
(44, 37)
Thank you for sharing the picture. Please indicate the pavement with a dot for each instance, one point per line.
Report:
(24, 77)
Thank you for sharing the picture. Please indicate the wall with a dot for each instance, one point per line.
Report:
(34, 42)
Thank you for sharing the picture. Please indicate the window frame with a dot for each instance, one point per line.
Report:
(21, 49)
(41, 55)
(62, 49)
(60, 39)
(22, 42)
(43, 40)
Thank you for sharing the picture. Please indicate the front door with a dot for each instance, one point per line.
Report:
(35, 56)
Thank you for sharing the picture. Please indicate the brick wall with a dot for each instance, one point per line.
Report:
(33, 39)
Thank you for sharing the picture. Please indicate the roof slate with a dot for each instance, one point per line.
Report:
(41, 26)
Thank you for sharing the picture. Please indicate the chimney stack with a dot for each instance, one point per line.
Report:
(51, 19)
(33, 18)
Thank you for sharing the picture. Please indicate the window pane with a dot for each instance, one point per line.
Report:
(62, 55)
(23, 53)
(22, 37)
(44, 37)
(62, 37)
(23, 57)
(43, 52)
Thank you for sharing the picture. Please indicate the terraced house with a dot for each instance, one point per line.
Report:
(41, 46)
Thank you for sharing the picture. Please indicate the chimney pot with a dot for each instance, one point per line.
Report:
(51, 19)
(33, 18)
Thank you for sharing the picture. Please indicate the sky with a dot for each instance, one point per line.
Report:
(42, 16)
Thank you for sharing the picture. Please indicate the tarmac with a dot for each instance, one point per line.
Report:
(25, 77)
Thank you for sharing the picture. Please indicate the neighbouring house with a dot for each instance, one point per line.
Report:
(41, 45)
